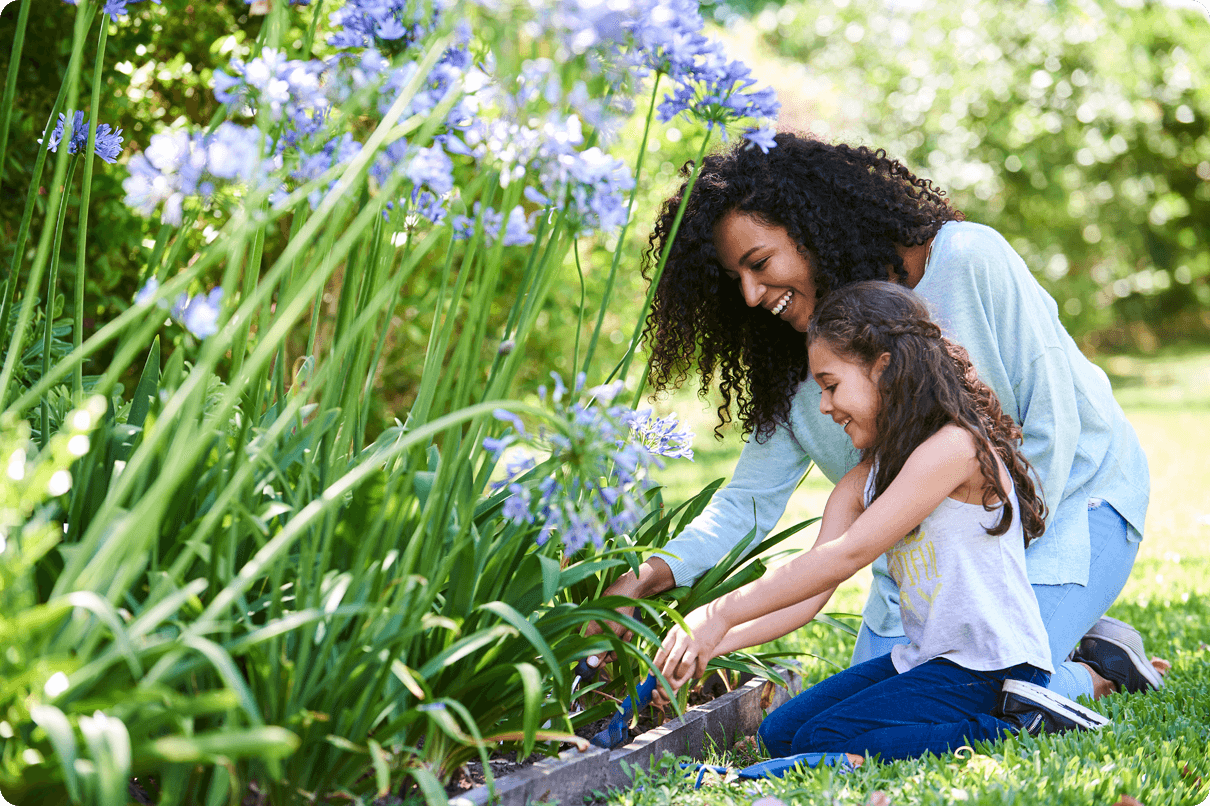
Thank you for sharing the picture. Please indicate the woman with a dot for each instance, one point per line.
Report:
(764, 235)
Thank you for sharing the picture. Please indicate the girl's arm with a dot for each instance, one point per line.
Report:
(845, 505)
(940, 465)
(772, 626)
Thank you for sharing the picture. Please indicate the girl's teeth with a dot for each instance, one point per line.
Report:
(782, 303)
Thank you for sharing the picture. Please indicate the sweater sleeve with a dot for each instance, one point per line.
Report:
(766, 475)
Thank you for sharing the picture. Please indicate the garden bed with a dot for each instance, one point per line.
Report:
(572, 775)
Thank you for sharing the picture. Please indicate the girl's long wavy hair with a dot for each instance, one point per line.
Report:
(846, 207)
(928, 383)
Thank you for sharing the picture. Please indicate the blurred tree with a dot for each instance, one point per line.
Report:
(1077, 128)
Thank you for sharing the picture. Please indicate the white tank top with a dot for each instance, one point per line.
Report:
(964, 594)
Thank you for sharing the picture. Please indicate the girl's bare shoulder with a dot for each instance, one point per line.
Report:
(951, 444)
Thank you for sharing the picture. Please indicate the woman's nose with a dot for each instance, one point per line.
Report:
(825, 403)
(752, 290)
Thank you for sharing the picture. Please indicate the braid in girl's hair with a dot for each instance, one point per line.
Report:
(929, 382)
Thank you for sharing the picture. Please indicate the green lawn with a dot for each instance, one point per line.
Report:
(1156, 750)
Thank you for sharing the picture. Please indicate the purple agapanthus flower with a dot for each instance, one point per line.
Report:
(598, 474)
(431, 167)
(761, 138)
(147, 293)
(178, 165)
(199, 315)
(108, 143)
(516, 229)
(391, 23)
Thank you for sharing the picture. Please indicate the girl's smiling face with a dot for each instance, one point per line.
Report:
(848, 391)
(772, 273)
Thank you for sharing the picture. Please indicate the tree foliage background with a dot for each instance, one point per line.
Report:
(1078, 128)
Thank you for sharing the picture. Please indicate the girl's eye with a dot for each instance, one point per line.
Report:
(760, 264)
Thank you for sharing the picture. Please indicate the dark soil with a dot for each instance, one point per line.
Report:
(471, 775)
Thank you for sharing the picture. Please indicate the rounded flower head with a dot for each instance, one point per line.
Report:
(108, 143)
(597, 475)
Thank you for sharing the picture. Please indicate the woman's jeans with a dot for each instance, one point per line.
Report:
(1068, 611)
(869, 709)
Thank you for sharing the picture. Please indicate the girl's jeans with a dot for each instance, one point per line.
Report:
(869, 709)
(1068, 611)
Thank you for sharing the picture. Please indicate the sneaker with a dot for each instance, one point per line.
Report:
(1114, 650)
(1033, 709)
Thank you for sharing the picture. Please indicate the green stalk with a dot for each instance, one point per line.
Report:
(77, 331)
(309, 39)
(575, 354)
(67, 91)
(10, 82)
(51, 286)
(251, 275)
(659, 270)
(110, 331)
(621, 247)
(182, 408)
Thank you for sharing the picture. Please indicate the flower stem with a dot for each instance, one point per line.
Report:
(10, 81)
(575, 354)
(309, 39)
(52, 281)
(77, 330)
(69, 90)
(617, 252)
(659, 270)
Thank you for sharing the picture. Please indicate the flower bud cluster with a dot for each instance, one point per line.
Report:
(593, 484)
(108, 143)
(198, 314)
(528, 127)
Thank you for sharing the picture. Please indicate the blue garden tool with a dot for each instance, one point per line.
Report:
(774, 767)
(616, 732)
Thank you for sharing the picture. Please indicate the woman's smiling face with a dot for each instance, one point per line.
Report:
(772, 273)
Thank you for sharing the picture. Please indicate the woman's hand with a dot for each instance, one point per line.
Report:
(683, 656)
(654, 577)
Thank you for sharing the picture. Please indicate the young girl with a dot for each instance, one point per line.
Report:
(943, 490)
(762, 235)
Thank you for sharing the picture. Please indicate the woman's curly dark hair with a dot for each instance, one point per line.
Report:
(848, 207)
(929, 382)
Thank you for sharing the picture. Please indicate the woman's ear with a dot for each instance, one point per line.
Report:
(880, 363)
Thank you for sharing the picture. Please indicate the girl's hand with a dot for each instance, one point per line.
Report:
(683, 656)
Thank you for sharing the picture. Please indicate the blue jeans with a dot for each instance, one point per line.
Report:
(1068, 611)
(869, 709)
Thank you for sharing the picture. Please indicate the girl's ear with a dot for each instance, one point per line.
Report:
(880, 363)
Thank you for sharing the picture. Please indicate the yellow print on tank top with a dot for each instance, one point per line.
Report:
(912, 563)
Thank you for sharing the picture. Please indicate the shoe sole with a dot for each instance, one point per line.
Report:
(1084, 717)
(1111, 631)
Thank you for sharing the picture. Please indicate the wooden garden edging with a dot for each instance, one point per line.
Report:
(573, 775)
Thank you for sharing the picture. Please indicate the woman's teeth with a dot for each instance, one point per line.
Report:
(782, 303)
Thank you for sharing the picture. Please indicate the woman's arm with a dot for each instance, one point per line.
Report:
(765, 476)
(940, 465)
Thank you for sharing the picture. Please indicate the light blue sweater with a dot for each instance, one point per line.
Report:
(1080, 444)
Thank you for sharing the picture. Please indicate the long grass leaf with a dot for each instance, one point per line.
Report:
(63, 740)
